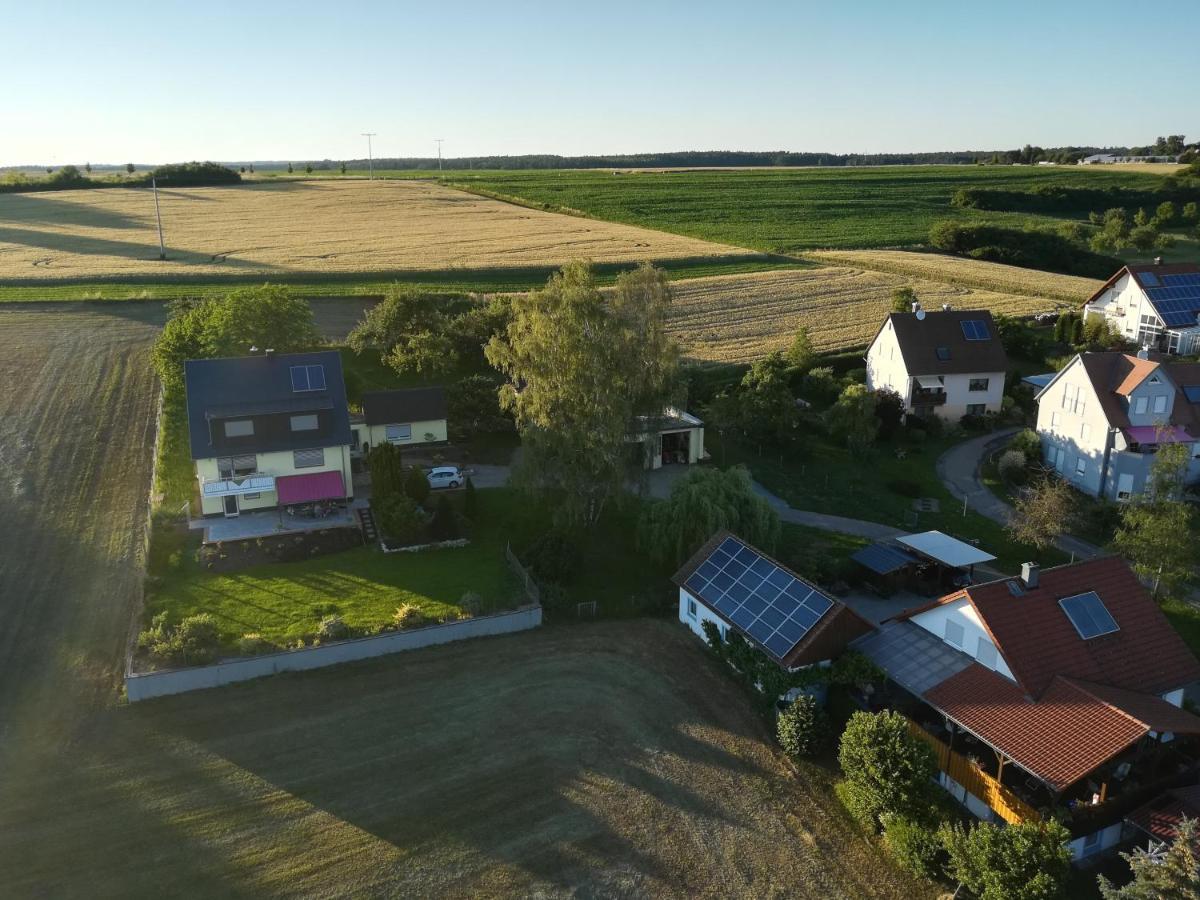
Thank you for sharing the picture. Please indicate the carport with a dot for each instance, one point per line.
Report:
(952, 556)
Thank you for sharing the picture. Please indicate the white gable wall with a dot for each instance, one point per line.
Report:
(949, 618)
(885, 364)
(1074, 428)
(1123, 305)
(702, 614)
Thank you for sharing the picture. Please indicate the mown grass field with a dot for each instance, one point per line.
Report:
(603, 760)
(789, 210)
(308, 228)
(740, 318)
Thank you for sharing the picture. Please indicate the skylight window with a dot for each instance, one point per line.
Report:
(308, 378)
(975, 330)
(943, 353)
(1089, 615)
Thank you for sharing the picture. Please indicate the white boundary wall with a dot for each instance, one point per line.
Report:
(177, 681)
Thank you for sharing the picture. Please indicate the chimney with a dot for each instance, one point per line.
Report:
(945, 307)
(1029, 575)
(1158, 260)
(916, 307)
(1144, 353)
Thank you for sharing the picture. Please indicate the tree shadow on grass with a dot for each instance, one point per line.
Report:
(42, 209)
(147, 251)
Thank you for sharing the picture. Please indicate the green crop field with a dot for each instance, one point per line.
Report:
(788, 210)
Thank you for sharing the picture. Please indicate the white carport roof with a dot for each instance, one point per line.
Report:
(945, 549)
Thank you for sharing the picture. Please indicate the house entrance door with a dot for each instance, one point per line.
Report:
(231, 506)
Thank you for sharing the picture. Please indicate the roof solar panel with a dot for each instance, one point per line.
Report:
(1089, 615)
(1148, 279)
(764, 601)
(975, 329)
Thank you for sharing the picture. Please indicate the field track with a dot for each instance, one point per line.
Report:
(740, 318)
(314, 228)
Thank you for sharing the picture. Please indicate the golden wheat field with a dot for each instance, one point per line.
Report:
(966, 272)
(312, 227)
(740, 318)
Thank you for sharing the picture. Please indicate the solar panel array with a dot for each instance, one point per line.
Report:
(1088, 614)
(1192, 392)
(1148, 279)
(308, 378)
(1177, 298)
(759, 598)
(975, 330)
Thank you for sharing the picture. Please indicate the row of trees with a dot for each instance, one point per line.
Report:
(192, 174)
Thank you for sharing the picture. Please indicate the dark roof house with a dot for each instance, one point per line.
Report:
(424, 404)
(948, 342)
(263, 393)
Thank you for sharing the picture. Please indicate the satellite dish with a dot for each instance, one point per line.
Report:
(920, 315)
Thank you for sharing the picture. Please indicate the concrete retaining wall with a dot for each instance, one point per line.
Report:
(178, 681)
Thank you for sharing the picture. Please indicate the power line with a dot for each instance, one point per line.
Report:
(439, 143)
(370, 161)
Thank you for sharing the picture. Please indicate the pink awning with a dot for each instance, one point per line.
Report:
(307, 488)
(1151, 434)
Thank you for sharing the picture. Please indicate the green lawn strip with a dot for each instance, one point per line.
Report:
(824, 477)
(174, 477)
(368, 284)
(788, 210)
(1186, 619)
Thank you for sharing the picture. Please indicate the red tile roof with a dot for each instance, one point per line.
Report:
(1038, 641)
(1161, 816)
(1060, 738)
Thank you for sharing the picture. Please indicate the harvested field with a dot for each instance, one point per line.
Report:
(307, 228)
(609, 759)
(959, 270)
(740, 318)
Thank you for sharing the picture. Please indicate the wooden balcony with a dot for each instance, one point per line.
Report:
(923, 397)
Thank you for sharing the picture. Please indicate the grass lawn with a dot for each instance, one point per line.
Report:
(824, 477)
(602, 760)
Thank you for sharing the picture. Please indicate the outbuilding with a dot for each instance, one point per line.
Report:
(404, 417)
(674, 438)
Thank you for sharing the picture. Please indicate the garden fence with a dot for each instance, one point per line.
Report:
(532, 591)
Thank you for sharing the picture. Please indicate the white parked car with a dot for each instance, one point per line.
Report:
(445, 477)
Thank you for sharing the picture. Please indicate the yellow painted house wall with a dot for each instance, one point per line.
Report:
(377, 434)
(337, 459)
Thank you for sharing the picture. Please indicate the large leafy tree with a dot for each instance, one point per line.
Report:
(852, 417)
(701, 504)
(766, 406)
(1027, 861)
(887, 769)
(1156, 532)
(1043, 513)
(1173, 876)
(581, 366)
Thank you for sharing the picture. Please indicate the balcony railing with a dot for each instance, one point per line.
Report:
(923, 397)
(225, 486)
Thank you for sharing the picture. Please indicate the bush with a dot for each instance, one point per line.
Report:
(195, 641)
(1029, 443)
(1029, 861)
(803, 728)
(416, 484)
(387, 470)
(915, 847)
(471, 603)
(470, 500)
(399, 518)
(408, 615)
(253, 644)
(1012, 466)
(554, 557)
(332, 628)
(444, 525)
(891, 770)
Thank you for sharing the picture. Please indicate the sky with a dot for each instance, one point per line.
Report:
(169, 81)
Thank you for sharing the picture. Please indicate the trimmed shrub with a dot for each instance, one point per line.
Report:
(408, 615)
(1029, 861)
(332, 628)
(444, 524)
(891, 770)
(915, 847)
(399, 518)
(253, 644)
(195, 641)
(416, 484)
(803, 728)
(1012, 466)
(554, 558)
(471, 603)
(1028, 443)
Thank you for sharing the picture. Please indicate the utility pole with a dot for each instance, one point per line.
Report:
(370, 161)
(162, 250)
(439, 143)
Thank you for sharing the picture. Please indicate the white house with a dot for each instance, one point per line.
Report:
(949, 363)
(1154, 306)
(1103, 417)
(674, 438)
(736, 587)
(1058, 690)
(268, 430)
(403, 417)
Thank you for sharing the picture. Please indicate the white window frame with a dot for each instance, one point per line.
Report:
(1085, 433)
(1081, 465)
(952, 628)
(1160, 403)
(976, 385)
(304, 419)
(403, 433)
(238, 466)
(296, 457)
(239, 431)
(1139, 406)
(691, 607)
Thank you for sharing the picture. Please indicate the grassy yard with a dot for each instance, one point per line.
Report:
(825, 477)
(606, 760)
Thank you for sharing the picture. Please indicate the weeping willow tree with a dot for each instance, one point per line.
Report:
(700, 505)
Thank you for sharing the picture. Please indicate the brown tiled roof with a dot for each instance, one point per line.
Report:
(1060, 738)
(919, 341)
(1161, 817)
(1136, 371)
(825, 640)
(1154, 712)
(1038, 641)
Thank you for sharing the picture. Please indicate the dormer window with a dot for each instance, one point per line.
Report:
(943, 354)
(308, 378)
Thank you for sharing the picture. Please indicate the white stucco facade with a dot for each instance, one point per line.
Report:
(977, 392)
(274, 464)
(403, 434)
(959, 625)
(1127, 308)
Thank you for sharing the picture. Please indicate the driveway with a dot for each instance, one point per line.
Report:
(958, 468)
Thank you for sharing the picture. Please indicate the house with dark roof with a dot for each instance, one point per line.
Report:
(1103, 417)
(1156, 306)
(738, 588)
(949, 363)
(268, 430)
(404, 417)
(1064, 688)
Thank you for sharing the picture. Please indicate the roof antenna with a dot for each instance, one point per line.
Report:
(1158, 260)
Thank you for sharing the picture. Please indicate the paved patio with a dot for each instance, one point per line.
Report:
(266, 523)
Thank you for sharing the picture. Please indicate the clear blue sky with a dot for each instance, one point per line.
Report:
(172, 81)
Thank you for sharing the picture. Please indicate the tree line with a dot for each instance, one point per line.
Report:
(67, 178)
